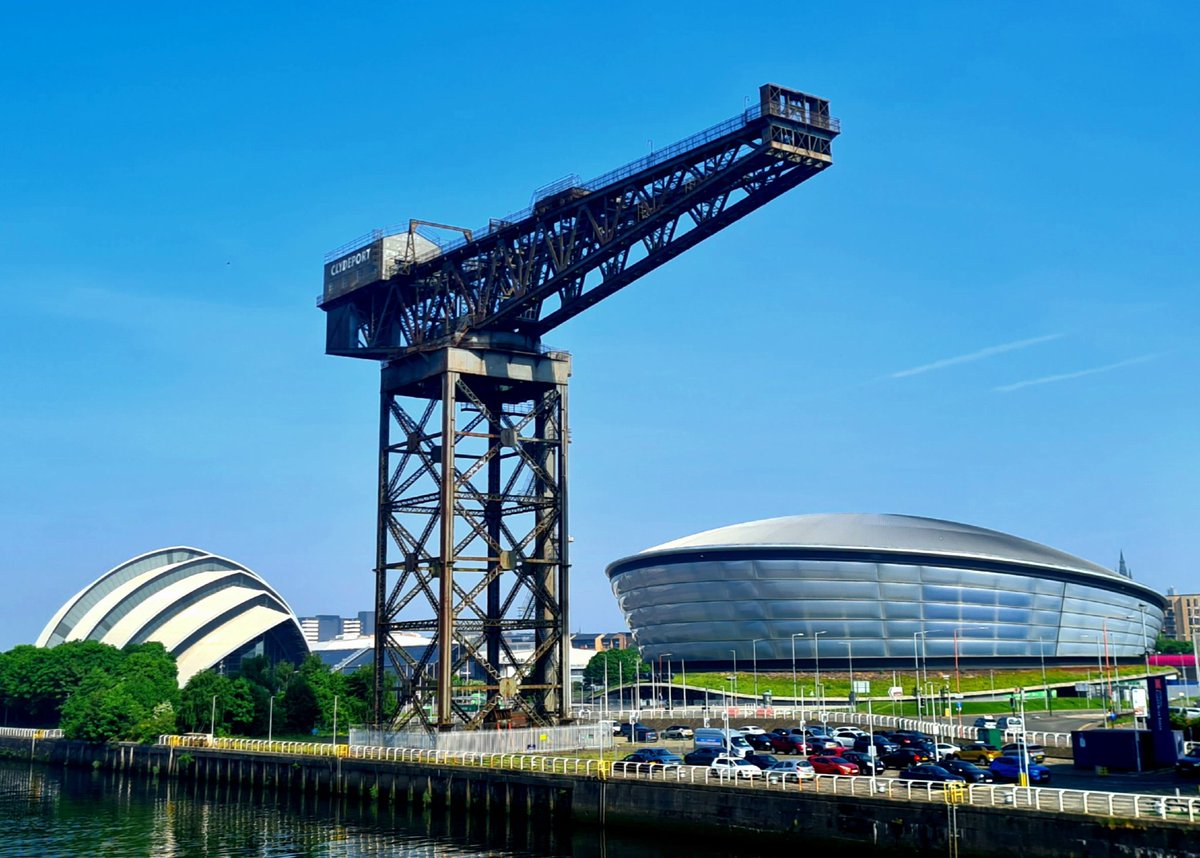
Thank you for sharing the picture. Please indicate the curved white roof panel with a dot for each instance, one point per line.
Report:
(878, 532)
(201, 607)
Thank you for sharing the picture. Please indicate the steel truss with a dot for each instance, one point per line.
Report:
(471, 544)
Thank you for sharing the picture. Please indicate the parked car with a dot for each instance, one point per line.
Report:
(1011, 722)
(678, 731)
(763, 761)
(833, 766)
(904, 738)
(970, 772)
(1037, 752)
(760, 741)
(945, 750)
(1188, 764)
(845, 737)
(734, 767)
(1008, 768)
(906, 758)
(930, 772)
(639, 732)
(750, 730)
(664, 756)
(790, 771)
(883, 745)
(646, 762)
(978, 753)
(789, 743)
(864, 762)
(986, 722)
(702, 756)
(821, 742)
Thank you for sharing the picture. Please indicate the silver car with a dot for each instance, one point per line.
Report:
(792, 771)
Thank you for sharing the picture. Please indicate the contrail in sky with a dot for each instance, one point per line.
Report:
(972, 356)
(1066, 376)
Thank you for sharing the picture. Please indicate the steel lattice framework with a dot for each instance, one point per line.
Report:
(472, 539)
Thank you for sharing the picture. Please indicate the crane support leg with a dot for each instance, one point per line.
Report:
(472, 543)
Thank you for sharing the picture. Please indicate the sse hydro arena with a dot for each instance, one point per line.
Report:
(870, 588)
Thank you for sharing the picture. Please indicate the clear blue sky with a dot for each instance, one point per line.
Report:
(986, 310)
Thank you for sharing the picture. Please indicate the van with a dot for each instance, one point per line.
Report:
(1187, 713)
(732, 742)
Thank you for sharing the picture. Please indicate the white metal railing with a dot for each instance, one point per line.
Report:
(1085, 802)
(29, 733)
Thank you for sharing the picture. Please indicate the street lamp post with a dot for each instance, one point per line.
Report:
(795, 686)
(270, 717)
(335, 741)
(917, 666)
(820, 695)
(735, 691)
(1100, 670)
(754, 655)
(212, 724)
(665, 692)
(1045, 686)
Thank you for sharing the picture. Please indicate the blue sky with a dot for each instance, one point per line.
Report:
(986, 310)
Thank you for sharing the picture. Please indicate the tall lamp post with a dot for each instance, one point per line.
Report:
(917, 665)
(754, 655)
(665, 693)
(212, 724)
(735, 692)
(957, 675)
(817, 652)
(795, 685)
(1100, 669)
(1045, 686)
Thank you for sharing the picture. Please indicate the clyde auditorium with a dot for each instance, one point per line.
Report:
(871, 588)
(206, 610)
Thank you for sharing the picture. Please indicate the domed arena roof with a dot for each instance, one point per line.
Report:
(203, 608)
(877, 532)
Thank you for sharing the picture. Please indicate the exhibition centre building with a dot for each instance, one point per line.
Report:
(210, 612)
(880, 590)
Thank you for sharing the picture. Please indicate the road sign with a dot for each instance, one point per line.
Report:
(895, 692)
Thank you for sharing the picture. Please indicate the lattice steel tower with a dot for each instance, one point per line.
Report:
(472, 527)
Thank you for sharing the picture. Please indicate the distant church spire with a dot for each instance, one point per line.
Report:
(1122, 569)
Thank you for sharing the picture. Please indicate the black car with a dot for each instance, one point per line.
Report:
(863, 761)
(883, 745)
(703, 756)
(905, 738)
(640, 732)
(1188, 765)
(759, 741)
(969, 772)
(930, 772)
(763, 761)
(906, 757)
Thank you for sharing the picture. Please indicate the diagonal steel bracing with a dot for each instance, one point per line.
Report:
(472, 517)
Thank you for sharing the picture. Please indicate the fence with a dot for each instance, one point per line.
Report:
(590, 736)
(29, 733)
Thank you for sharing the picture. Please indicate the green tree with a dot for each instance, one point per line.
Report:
(622, 664)
(196, 704)
(300, 706)
(1170, 646)
(101, 710)
(241, 715)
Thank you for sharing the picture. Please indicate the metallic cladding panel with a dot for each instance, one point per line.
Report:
(698, 609)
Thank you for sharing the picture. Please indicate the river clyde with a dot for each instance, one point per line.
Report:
(51, 811)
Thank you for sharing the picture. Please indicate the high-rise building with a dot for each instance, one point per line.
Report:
(1181, 620)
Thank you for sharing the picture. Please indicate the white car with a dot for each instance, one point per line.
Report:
(846, 736)
(1011, 722)
(678, 731)
(751, 730)
(945, 749)
(733, 767)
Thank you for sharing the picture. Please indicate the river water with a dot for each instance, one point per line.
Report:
(50, 811)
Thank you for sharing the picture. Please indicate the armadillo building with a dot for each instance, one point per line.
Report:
(207, 610)
(878, 589)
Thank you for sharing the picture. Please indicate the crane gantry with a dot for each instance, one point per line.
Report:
(472, 539)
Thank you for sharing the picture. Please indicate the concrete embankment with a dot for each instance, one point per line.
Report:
(854, 825)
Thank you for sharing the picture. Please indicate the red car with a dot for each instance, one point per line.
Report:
(833, 766)
(790, 744)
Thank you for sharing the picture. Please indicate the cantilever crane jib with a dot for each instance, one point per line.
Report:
(532, 270)
(472, 545)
